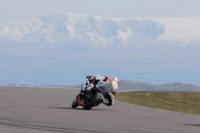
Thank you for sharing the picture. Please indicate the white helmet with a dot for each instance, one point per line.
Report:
(115, 78)
(116, 81)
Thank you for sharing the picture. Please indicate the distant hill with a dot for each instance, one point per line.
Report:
(126, 85)
(139, 86)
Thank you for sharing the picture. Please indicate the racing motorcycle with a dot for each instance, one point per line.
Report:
(93, 97)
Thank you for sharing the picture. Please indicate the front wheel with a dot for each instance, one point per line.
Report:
(75, 103)
(91, 102)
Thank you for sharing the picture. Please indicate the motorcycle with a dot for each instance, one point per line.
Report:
(93, 97)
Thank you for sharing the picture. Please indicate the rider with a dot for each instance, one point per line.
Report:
(91, 81)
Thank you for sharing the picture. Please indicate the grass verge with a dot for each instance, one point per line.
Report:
(185, 102)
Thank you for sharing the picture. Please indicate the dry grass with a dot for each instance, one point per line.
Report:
(186, 102)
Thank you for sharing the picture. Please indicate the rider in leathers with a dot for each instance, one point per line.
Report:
(91, 81)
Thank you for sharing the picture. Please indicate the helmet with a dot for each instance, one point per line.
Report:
(115, 81)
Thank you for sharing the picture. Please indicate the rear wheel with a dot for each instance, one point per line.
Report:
(91, 102)
(75, 103)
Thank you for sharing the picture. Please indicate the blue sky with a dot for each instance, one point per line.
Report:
(60, 65)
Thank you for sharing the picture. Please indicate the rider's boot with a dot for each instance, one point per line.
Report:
(105, 101)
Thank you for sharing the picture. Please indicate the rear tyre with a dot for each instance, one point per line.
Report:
(90, 103)
(75, 103)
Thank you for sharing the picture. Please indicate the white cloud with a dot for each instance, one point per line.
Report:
(185, 43)
(122, 36)
(72, 30)
(179, 29)
(48, 34)
(102, 32)
(90, 30)
(11, 33)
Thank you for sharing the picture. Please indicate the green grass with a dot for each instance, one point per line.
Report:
(186, 102)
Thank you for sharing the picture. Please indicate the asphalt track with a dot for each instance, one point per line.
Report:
(37, 110)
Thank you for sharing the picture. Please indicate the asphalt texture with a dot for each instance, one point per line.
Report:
(40, 110)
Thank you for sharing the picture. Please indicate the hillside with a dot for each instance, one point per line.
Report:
(139, 86)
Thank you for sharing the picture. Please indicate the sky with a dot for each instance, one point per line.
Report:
(44, 70)
(21, 9)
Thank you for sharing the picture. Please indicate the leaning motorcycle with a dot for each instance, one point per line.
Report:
(93, 97)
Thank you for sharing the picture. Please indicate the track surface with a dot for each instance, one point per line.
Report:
(37, 110)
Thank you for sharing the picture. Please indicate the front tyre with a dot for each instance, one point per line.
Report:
(91, 102)
(75, 103)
